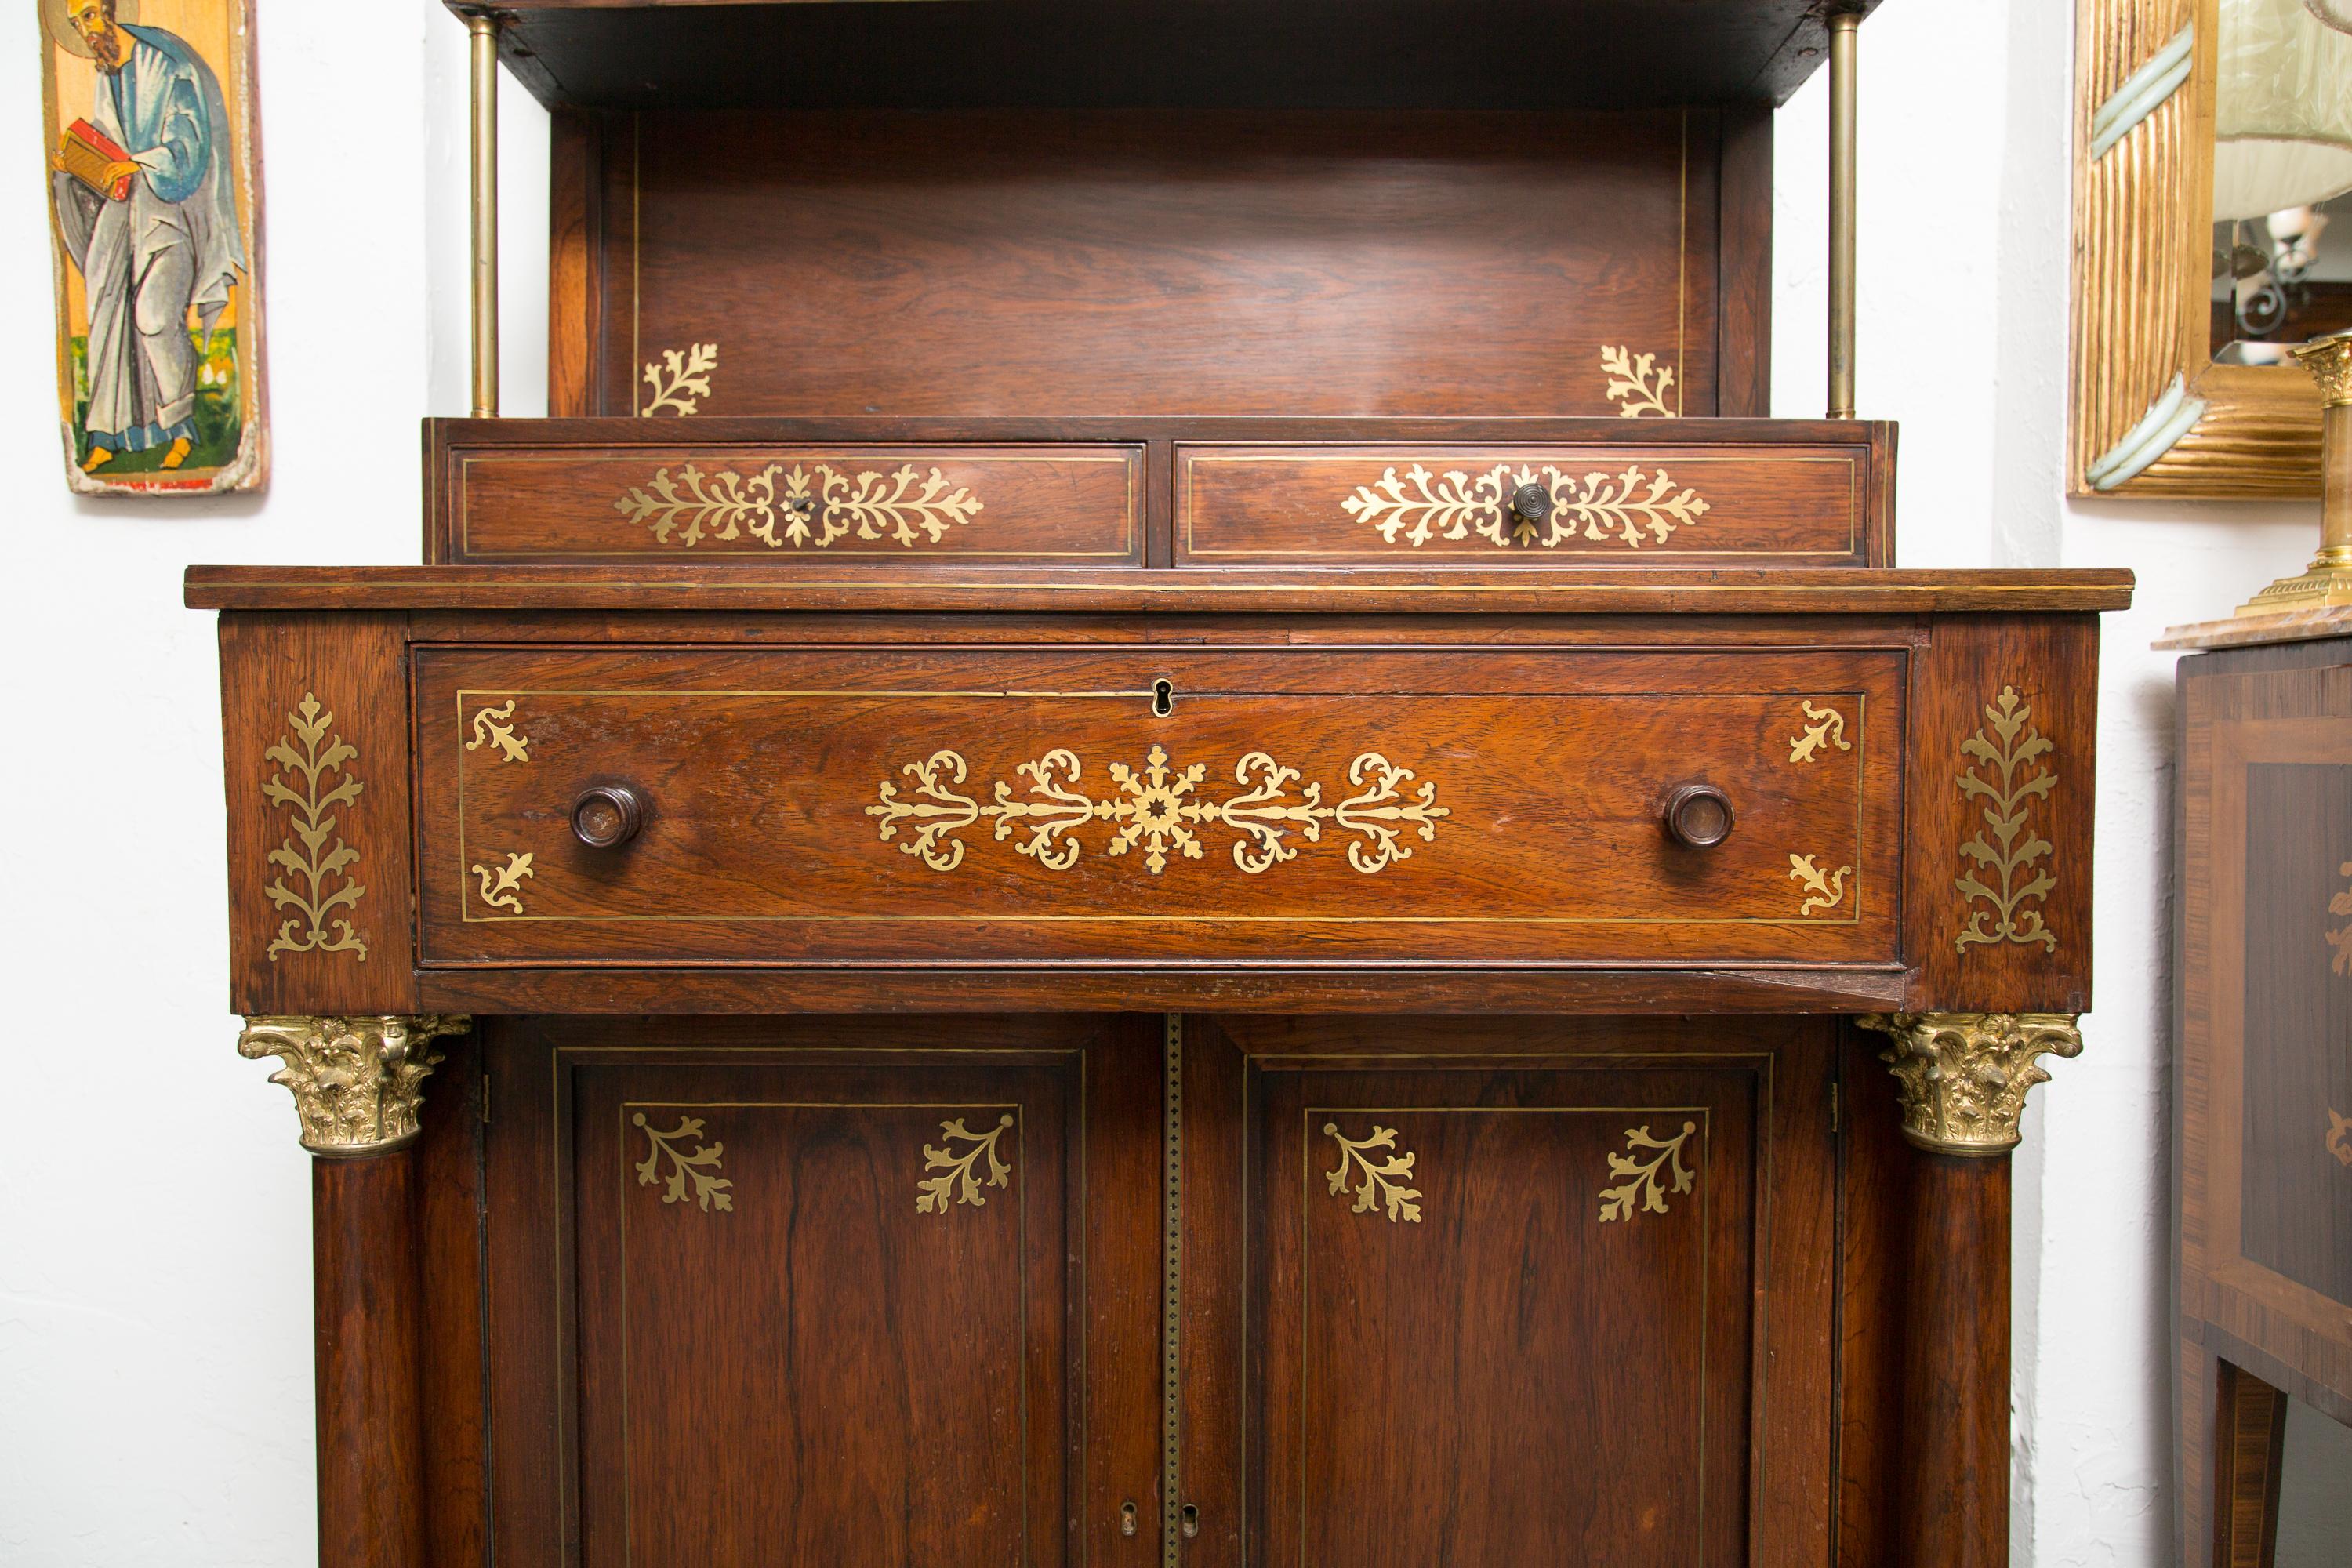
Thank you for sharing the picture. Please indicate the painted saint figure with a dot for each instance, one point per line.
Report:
(158, 239)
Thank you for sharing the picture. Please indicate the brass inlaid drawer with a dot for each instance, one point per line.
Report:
(1135, 804)
(1434, 507)
(818, 506)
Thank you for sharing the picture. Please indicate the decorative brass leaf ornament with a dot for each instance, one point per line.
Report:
(1637, 382)
(1380, 1182)
(2002, 776)
(679, 381)
(959, 1178)
(310, 783)
(1648, 1181)
(692, 1172)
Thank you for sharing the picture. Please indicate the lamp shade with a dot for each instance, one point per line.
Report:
(2283, 107)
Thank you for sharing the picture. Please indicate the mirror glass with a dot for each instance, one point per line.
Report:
(2282, 176)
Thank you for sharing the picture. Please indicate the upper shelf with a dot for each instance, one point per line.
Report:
(1108, 54)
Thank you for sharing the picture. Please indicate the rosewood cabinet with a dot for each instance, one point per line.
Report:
(1157, 835)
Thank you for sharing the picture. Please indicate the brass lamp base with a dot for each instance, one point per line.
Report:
(2325, 584)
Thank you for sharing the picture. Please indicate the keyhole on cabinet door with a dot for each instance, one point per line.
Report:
(1163, 699)
(1191, 1514)
(1127, 1518)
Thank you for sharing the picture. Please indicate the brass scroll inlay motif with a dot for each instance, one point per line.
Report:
(959, 1178)
(1823, 727)
(501, 885)
(1962, 1078)
(2341, 938)
(814, 507)
(2339, 1137)
(1158, 811)
(2002, 774)
(1823, 890)
(678, 381)
(1634, 508)
(1638, 384)
(1647, 1181)
(496, 727)
(310, 783)
(1378, 1181)
(690, 1172)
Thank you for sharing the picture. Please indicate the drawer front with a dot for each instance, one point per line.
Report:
(919, 807)
(822, 507)
(1485, 507)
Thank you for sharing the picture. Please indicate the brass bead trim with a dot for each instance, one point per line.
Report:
(1962, 1078)
(357, 1082)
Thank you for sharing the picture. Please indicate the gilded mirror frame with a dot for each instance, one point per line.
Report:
(2152, 415)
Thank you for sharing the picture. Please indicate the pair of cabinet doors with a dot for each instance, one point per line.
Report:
(1010, 1292)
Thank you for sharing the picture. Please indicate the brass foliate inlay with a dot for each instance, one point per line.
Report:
(357, 1082)
(2340, 939)
(501, 885)
(311, 779)
(1824, 727)
(1962, 1078)
(801, 508)
(2004, 774)
(683, 1172)
(495, 727)
(1638, 384)
(1378, 1181)
(677, 382)
(1637, 507)
(960, 1168)
(1646, 1181)
(1159, 811)
(2339, 1137)
(1823, 890)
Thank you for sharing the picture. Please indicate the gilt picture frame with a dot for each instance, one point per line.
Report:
(153, 172)
(2152, 413)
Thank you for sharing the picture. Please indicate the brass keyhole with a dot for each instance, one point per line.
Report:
(1163, 699)
(1127, 1518)
(1191, 1518)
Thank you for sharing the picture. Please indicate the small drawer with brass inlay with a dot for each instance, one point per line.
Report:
(1440, 508)
(1435, 805)
(825, 507)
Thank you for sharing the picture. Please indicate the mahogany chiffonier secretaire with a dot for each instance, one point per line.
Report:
(1158, 832)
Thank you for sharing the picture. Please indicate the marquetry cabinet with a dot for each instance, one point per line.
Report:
(1158, 833)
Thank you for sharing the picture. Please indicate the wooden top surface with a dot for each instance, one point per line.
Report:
(1298, 54)
(750, 590)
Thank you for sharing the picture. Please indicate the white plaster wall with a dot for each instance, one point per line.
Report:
(155, 1303)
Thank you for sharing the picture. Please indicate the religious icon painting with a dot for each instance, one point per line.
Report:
(155, 202)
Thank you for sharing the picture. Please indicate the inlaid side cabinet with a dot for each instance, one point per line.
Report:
(2262, 1098)
(896, 1074)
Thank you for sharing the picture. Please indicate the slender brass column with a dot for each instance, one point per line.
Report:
(1844, 26)
(484, 29)
(2326, 583)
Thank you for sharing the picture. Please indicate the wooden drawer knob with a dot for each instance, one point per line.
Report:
(1697, 815)
(607, 816)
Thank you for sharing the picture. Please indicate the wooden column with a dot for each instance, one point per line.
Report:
(357, 1084)
(1961, 1080)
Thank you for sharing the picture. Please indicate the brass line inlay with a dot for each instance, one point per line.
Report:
(322, 867)
(2341, 938)
(697, 1168)
(1157, 810)
(1821, 726)
(1598, 506)
(2000, 775)
(1647, 1181)
(958, 1180)
(501, 885)
(679, 379)
(1382, 1180)
(1823, 890)
(816, 505)
(496, 727)
(1638, 384)
(1171, 1288)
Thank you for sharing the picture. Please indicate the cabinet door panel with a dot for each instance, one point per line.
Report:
(833, 1295)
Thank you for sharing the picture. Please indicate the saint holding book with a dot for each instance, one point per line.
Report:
(146, 205)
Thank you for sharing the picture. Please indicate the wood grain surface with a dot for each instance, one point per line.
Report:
(770, 778)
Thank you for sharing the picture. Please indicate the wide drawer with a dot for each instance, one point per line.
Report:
(1437, 507)
(817, 505)
(922, 805)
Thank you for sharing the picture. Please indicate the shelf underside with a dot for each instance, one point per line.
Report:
(1298, 54)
